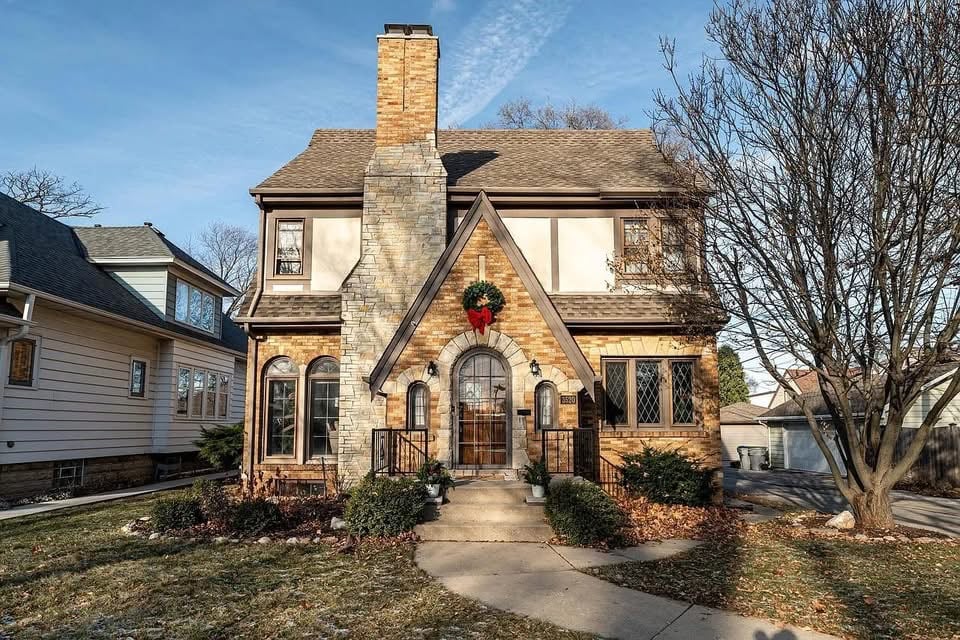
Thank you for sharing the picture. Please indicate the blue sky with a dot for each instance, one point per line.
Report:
(170, 111)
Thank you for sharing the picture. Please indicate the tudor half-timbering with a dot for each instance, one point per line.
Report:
(373, 242)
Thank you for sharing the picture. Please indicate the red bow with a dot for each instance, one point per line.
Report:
(480, 318)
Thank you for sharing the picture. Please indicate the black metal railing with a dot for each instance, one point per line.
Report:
(574, 451)
(611, 478)
(398, 452)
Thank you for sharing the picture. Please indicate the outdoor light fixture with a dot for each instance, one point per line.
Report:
(535, 368)
(432, 369)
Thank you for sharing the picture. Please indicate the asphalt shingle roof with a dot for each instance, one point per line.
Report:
(47, 255)
(322, 307)
(615, 159)
(741, 413)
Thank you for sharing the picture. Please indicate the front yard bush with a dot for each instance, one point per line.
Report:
(214, 503)
(582, 513)
(176, 512)
(667, 477)
(384, 506)
(254, 516)
(221, 446)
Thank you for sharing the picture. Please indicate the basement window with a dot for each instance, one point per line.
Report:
(68, 474)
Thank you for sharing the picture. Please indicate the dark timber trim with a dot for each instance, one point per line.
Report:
(481, 209)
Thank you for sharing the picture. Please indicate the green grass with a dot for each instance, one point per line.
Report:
(74, 575)
(850, 589)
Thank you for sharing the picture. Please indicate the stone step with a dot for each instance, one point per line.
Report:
(484, 532)
(479, 513)
(490, 493)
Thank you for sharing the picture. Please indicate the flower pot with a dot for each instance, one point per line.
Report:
(538, 490)
(433, 490)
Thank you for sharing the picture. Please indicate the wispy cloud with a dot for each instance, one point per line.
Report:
(442, 6)
(495, 46)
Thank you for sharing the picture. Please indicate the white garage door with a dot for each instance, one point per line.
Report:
(802, 452)
(735, 435)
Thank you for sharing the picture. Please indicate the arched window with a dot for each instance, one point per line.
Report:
(281, 409)
(323, 378)
(418, 406)
(545, 403)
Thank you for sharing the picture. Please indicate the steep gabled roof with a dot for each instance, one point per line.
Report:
(482, 209)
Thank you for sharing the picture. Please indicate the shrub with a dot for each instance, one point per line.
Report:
(310, 509)
(176, 512)
(221, 446)
(536, 473)
(667, 477)
(582, 513)
(253, 516)
(213, 500)
(384, 507)
(433, 472)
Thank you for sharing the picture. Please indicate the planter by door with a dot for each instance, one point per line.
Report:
(538, 490)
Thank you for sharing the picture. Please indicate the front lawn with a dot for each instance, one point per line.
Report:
(74, 575)
(842, 587)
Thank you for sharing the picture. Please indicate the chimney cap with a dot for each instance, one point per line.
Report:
(399, 29)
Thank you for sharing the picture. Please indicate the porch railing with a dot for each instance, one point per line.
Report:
(611, 478)
(574, 451)
(398, 452)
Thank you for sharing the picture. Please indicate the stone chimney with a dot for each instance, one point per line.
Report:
(403, 232)
(407, 60)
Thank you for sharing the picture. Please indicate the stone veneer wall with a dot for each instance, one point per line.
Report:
(403, 235)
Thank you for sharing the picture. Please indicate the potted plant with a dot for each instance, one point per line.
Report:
(435, 478)
(537, 476)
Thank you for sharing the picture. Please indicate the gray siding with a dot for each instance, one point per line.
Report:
(775, 435)
(149, 284)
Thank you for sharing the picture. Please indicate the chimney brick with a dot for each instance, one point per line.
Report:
(406, 87)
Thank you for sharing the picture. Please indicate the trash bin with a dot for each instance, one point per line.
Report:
(742, 451)
(758, 456)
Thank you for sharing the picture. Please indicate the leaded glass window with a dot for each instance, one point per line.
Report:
(636, 246)
(648, 391)
(682, 373)
(615, 392)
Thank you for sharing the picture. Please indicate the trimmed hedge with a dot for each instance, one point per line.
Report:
(667, 477)
(582, 513)
(176, 512)
(254, 516)
(384, 506)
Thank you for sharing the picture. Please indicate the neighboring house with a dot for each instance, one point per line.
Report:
(115, 353)
(739, 427)
(362, 355)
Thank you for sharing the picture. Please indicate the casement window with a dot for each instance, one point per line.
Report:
(281, 407)
(635, 235)
(418, 406)
(23, 357)
(673, 246)
(545, 405)
(67, 474)
(646, 393)
(202, 394)
(323, 377)
(289, 253)
(195, 307)
(138, 378)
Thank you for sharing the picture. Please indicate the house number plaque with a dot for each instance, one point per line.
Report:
(568, 398)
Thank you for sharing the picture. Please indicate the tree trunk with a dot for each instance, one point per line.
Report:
(872, 509)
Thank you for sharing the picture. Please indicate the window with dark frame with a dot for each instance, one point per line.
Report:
(289, 247)
(223, 396)
(138, 378)
(281, 407)
(22, 356)
(324, 380)
(418, 406)
(648, 393)
(184, 376)
(636, 246)
(673, 246)
(196, 396)
(195, 307)
(545, 405)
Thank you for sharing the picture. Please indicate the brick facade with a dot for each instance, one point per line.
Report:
(406, 88)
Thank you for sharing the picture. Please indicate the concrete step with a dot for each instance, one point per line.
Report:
(482, 492)
(459, 513)
(484, 532)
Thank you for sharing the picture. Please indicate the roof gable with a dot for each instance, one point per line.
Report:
(482, 209)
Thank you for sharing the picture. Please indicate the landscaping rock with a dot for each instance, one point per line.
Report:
(316, 540)
(862, 536)
(220, 540)
(264, 540)
(293, 540)
(890, 538)
(144, 519)
(925, 540)
(843, 520)
(154, 536)
(337, 523)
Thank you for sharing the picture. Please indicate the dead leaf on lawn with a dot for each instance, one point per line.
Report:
(818, 606)
(869, 601)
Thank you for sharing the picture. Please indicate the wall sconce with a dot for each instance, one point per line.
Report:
(535, 368)
(432, 370)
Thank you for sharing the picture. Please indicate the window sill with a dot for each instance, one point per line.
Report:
(676, 431)
(15, 385)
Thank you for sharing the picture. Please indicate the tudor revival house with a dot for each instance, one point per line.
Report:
(363, 355)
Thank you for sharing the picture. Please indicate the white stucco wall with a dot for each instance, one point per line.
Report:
(336, 248)
(532, 235)
(584, 246)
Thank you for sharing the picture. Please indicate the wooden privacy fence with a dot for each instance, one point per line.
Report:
(940, 460)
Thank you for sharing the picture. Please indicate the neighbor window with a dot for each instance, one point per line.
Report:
(671, 241)
(138, 378)
(324, 380)
(22, 356)
(210, 398)
(223, 396)
(195, 307)
(183, 390)
(202, 394)
(545, 403)
(648, 393)
(67, 474)
(636, 246)
(289, 247)
(281, 409)
(418, 406)
(196, 396)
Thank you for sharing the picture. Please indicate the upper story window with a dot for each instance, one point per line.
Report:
(636, 246)
(673, 246)
(195, 307)
(289, 247)
(22, 361)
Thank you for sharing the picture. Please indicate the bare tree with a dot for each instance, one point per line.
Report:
(821, 151)
(521, 114)
(48, 193)
(230, 251)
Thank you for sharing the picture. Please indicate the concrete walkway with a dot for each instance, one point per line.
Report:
(119, 494)
(542, 581)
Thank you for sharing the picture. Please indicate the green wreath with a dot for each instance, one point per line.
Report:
(483, 294)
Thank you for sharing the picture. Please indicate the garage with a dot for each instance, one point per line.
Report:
(739, 427)
(801, 451)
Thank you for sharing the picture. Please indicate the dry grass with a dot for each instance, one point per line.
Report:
(73, 575)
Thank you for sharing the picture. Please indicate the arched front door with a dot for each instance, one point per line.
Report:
(483, 410)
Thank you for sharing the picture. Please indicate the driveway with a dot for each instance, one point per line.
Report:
(817, 491)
